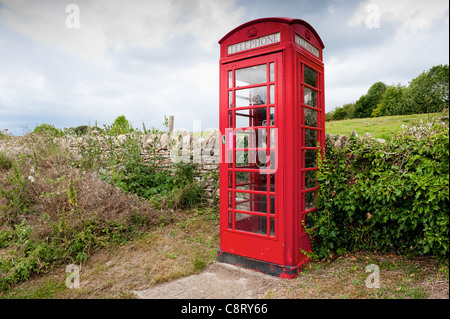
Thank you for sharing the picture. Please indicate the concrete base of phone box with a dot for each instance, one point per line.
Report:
(288, 272)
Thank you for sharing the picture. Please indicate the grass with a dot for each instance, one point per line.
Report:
(190, 243)
(345, 278)
(165, 253)
(379, 127)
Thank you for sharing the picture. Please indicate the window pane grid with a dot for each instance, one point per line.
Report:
(251, 102)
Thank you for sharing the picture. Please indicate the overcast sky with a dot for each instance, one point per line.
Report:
(149, 58)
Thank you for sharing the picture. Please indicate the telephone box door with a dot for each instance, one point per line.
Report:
(250, 174)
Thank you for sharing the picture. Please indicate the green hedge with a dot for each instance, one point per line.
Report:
(391, 196)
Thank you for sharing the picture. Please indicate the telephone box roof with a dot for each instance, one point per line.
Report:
(288, 21)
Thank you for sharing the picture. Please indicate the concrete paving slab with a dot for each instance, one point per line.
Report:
(217, 281)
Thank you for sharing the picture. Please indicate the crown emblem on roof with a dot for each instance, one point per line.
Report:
(252, 32)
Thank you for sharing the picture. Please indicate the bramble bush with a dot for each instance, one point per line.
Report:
(391, 196)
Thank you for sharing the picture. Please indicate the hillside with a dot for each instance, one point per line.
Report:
(379, 127)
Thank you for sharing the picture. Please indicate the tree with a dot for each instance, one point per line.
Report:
(339, 114)
(349, 109)
(428, 93)
(392, 102)
(367, 103)
(121, 126)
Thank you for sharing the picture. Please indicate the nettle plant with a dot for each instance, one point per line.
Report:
(391, 196)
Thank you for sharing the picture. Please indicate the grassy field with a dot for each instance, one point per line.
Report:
(379, 127)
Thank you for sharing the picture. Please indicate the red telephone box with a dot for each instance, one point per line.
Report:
(272, 119)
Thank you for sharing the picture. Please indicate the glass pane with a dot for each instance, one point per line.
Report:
(251, 202)
(252, 75)
(230, 79)
(251, 138)
(310, 200)
(272, 94)
(230, 220)
(229, 159)
(272, 116)
(243, 160)
(272, 183)
(273, 159)
(230, 199)
(311, 179)
(273, 137)
(272, 205)
(310, 138)
(251, 181)
(310, 97)
(272, 72)
(252, 96)
(310, 158)
(251, 223)
(310, 117)
(230, 99)
(272, 227)
(251, 117)
(251, 159)
(310, 76)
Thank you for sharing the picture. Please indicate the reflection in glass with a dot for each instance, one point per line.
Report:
(251, 223)
(310, 76)
(253, 138)
(251, 202)
(230, 79)
(230, 99)
(272, 72)
(310, 138)
(251, 96)
(252, 75)
(253, 181)
(251, 117)
(310, 97)
(310, 117)
(272, 94)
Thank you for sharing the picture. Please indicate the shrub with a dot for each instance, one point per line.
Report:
(48, 129)
(5, 162)
(385, 197)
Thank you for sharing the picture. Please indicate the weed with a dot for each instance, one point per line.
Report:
(199, 263)
(5, 162)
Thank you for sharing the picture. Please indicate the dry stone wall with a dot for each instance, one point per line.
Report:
(165, 150)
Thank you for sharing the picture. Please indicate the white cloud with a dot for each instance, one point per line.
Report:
(412, 14)
(106, 24)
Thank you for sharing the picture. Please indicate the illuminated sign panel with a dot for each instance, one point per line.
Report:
(306, 45)
(254, 43)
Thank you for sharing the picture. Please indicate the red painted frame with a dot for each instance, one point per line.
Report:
(286, 248)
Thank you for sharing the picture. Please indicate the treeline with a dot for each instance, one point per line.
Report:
(427, 93)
